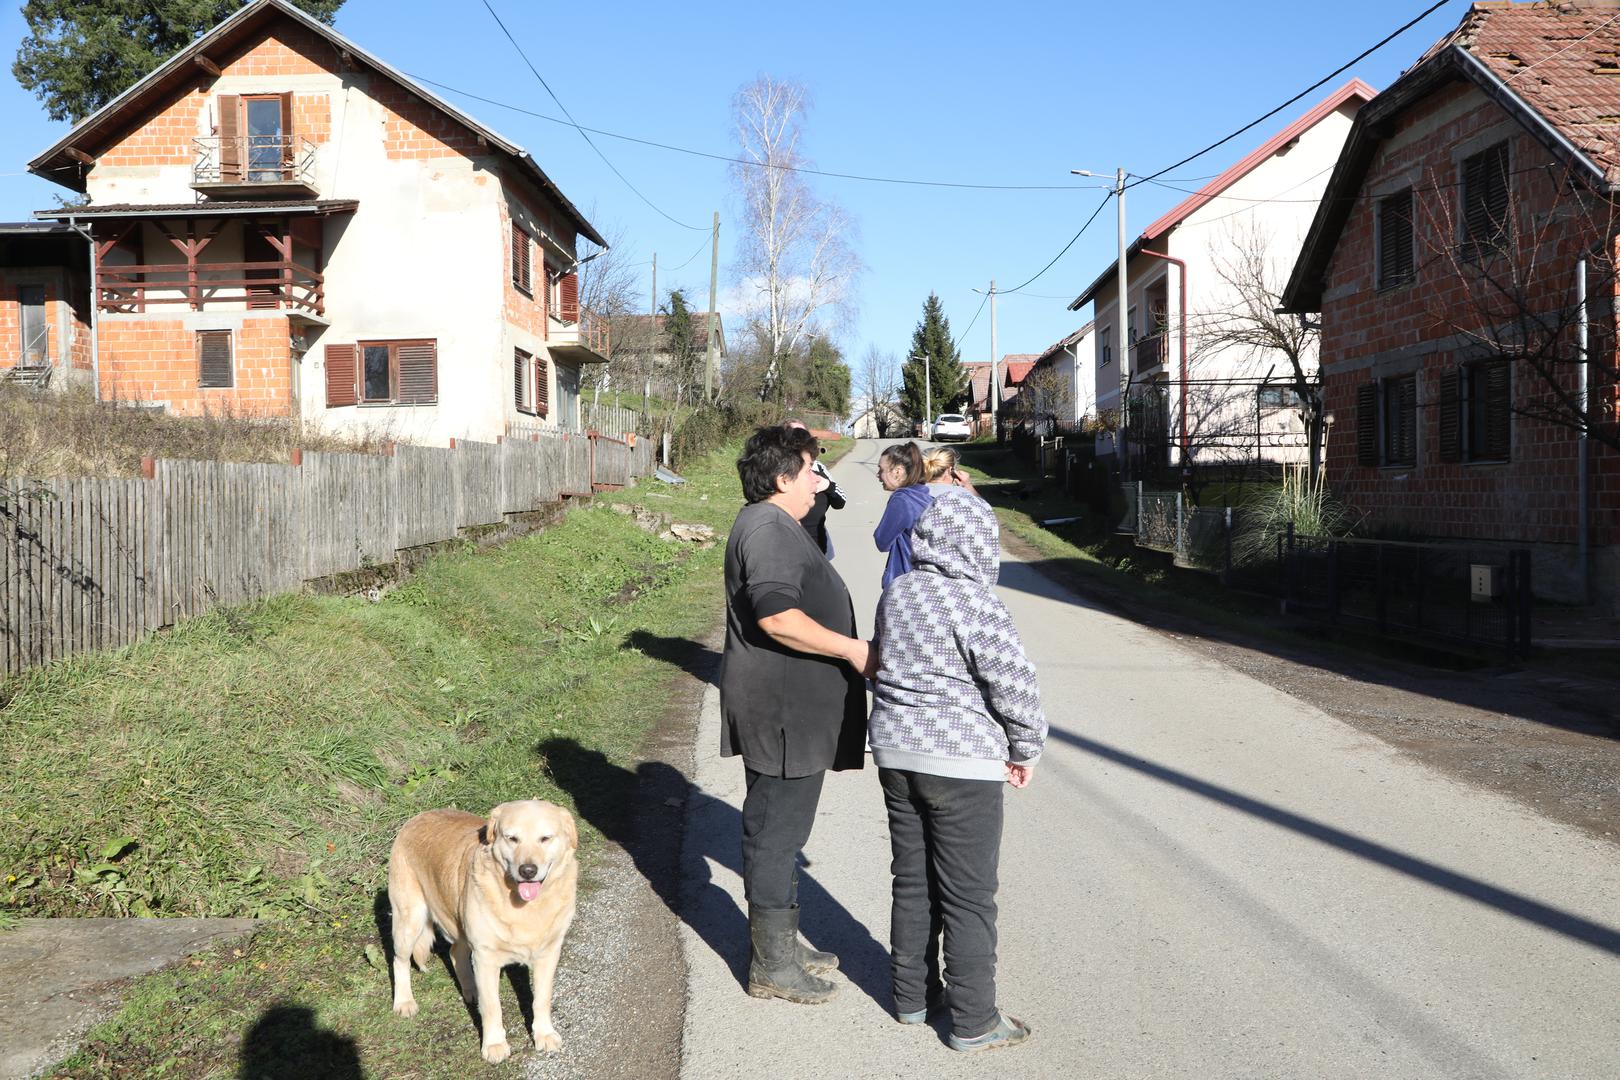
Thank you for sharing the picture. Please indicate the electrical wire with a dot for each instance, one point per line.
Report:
(964, 333)
(582, 133)
(701, 249)
(1341, 69)
(744, 161)
(1066, 247)
(1561, 52)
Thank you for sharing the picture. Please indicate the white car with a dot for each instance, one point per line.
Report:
(952, 426)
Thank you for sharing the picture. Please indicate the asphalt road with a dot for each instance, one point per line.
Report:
(1207, 879)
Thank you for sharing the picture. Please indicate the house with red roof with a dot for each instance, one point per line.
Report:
(276, 222)
(1463, 262)
(1060, 389)
(1200, 390)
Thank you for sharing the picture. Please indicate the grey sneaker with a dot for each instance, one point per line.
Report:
(934, 999)
(1009, 1031)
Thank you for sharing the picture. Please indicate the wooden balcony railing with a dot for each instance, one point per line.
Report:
(286, 286)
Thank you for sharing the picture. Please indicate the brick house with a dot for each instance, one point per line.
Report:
(642, 346)
(1445, 261)
(284, 225)
(44, 304)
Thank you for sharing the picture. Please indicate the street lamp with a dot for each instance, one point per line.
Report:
(928, 392)
(1124, 331)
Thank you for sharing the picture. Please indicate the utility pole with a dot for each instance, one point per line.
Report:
(928, 392)
(652, 343)
(714, 277)
(995, 380)
(1123, 285)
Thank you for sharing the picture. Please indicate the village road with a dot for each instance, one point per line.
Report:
(1207, 879)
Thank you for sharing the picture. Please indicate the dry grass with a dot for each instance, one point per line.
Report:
(65, 434)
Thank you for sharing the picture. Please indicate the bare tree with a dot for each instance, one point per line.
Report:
(795, 255)
(1044, 398)
(608, 287)
(876, 379)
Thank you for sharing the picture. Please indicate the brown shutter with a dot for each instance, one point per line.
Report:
(213, 358)
(521, 265)
(520, 368)
(568, 297)
(1498, 401)
(1405, 448)
(340, 376)
(1367, 424)
(418, 373)
(1395, 239)
(542, 387)
(289, 159)
(230, 138)
(1451, 414)
(1485, 200)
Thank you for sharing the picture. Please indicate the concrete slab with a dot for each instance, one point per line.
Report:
(60, 977)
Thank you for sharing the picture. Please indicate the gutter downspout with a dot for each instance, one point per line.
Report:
(1182, 267)
(1582, 454)
(95, 304)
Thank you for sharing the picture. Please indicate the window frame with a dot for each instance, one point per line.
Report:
(1388, 433)
(1474, 430)
(1105, 346)
(393, 345)
(1386, 280)
(43, 307)
(1470, 247)
(230, 359)
(523, 362)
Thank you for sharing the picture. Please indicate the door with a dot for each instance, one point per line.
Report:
(35, 331)
(256, 249)
(266, 146)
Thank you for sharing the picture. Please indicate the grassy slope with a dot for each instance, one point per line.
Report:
(258, 761)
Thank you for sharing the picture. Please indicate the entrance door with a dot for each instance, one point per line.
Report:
(256, 249)
(35, 330)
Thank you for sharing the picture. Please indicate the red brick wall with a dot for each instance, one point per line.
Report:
(1532, 497)
(56, 308)
(154, 359)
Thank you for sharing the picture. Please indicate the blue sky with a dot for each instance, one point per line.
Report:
(1010, 93)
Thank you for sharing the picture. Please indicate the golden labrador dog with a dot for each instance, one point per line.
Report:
(500, 890)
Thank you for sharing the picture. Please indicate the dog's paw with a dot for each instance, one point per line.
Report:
(405, 1008)
(495, 1053)
(548, 1041)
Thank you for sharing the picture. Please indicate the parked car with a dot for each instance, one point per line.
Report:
(952, 426)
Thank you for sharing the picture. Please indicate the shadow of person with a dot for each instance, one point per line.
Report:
(694, 658)
(646, 812)
(286, 1041)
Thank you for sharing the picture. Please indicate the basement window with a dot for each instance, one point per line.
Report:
(214, 359)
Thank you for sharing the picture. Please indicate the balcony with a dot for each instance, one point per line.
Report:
(253, 167)
(1147, 353)
(282, 285)
(584, 341)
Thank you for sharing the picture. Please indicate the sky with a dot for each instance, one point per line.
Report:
(1005, 94)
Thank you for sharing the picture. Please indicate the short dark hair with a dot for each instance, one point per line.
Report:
(771, 452)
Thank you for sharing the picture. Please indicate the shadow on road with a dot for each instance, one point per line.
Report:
(1550, 918)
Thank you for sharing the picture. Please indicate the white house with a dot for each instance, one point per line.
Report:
(1062, 382)
(1196, 395)
(285, 225)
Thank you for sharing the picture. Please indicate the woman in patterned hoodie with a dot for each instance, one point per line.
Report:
(956, 715)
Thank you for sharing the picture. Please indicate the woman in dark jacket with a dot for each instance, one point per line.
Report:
(792, 699)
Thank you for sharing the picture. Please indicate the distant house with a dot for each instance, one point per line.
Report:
(1445, 262)
(1060, 388)
(885, 420)
(44, 305)
(1193, 395)
(642, 341)
(1010, 373)
(286, 225)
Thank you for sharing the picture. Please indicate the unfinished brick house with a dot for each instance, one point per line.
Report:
(44, 305)
(1472, 206)
(284, 225)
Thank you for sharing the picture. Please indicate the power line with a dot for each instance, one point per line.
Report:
(701, 249)
(582, 132)
(971, 321)
(744, 161)
(1430, 10)
(1066, 247)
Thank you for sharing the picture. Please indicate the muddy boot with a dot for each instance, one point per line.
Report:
(812, 960)
(774, 969)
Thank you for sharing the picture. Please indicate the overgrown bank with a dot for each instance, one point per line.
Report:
(258, 761)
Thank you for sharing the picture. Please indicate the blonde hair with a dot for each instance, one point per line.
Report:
(940, 463)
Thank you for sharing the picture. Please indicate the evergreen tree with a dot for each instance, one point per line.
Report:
(826, 378)
(681, 333)
(80, 54)
(932, 338)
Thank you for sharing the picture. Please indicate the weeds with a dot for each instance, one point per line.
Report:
(1309, 507)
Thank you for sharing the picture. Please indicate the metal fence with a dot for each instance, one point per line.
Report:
(98, 563)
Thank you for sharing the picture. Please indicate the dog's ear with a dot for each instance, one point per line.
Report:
(491, 828)
(570, 830)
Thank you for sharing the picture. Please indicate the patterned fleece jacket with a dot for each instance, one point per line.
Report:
(956, 696)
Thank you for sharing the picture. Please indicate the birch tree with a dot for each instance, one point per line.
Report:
(796, 260)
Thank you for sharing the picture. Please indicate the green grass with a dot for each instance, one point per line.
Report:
(258, 761)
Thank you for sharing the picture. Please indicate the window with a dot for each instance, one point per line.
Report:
(542, 387)
(521, 368)
(1277, 397)
(214, 358)
(1386, 421)
(396, 372)
(1395, 240)
(1484, 217)
(1130, 326)
(522, 278)
(1476, 412)
(35, 329)
(255, 137)
(1105, 347)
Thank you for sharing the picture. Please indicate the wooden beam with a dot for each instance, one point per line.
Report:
(207, 65)
(73, 153)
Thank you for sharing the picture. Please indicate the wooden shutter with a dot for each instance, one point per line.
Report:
(542, 387)
(520, 385)
(521, 278)
(1367, 424)
(214, 358)
(1485, 200)
(1403, 422)
(1451, 414)
(418, 373)
(568, 297)
(230, 138)
(1395, 239)
(289, 158)
(1498, 402)
(341, 376)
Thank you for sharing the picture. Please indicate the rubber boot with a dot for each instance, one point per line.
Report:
(774, 969)
(812, 960)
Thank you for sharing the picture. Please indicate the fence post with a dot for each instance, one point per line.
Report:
(1181, 529)
(1378, 591)
(1226, 562)
(1136, 526)
(1287, 565)
(1523, 601)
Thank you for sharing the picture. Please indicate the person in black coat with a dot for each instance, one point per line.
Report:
(792, 698)
(829, 496)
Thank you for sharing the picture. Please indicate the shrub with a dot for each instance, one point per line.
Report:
(1311, 508)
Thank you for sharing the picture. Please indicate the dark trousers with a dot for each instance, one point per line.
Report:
(776, 819)
(946, 838)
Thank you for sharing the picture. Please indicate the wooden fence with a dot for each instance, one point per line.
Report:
(98, 563)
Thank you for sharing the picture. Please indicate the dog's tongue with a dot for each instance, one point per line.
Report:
(528, 890)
